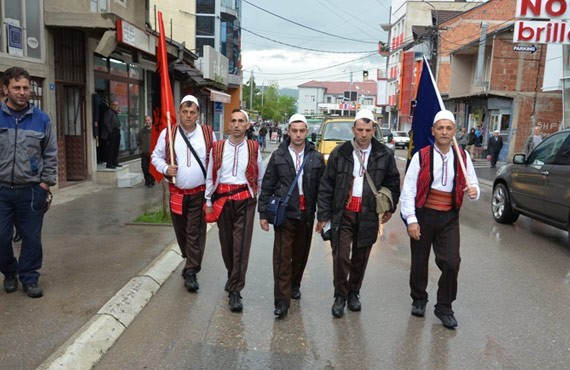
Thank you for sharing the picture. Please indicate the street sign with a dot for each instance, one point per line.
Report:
(525, 48)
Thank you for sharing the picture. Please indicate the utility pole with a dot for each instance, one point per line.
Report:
(350, 93)
(251, 91)
(262, 92)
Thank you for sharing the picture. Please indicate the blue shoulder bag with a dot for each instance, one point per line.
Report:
(277, 206)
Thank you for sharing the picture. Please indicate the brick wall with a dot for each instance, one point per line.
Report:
(548, 115)
(466, 28)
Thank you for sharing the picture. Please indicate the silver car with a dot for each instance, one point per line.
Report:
(537, 185)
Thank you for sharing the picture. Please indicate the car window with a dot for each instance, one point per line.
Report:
(546, 152)
(563, 155)
(338, 131)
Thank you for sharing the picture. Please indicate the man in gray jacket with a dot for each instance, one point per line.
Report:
(28, 164)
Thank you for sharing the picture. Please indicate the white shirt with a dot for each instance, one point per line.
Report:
(298, 161)
(358, 170)
(442, 181)
(233, 169)
(189, 174)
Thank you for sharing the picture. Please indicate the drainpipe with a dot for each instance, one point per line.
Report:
(481, 55)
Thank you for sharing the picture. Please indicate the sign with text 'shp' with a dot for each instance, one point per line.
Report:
(554, 28)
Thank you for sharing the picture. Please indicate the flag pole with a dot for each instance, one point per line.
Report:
(454, 141)
(170, 142)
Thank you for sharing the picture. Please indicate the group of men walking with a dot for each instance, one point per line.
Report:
(220, 180)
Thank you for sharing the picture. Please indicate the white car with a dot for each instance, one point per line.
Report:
(401, 139)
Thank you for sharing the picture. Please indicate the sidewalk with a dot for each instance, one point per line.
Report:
(89, 254)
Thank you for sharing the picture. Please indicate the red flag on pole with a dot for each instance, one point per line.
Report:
(166, 116)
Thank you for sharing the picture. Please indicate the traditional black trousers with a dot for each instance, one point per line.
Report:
(235, 226)
(349, 268)
(290, 254)
(440, 229)
(190, 230)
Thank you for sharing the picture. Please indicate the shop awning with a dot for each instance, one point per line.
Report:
(219, 96)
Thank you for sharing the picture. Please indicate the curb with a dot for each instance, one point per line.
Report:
(86, 347)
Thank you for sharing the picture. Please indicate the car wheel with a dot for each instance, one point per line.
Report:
(501, 206)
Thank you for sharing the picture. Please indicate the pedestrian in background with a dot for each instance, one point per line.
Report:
(534, 139)
(348, 203)
(28, 162)
(471, 137)
(143, 142)
(292, 240)
(431, 200)
(192, 143)
(262, 136)
(235, 171)
(111, 134)
(494, 146)
(462, 138)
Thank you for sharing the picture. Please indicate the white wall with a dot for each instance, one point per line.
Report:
(309, 98)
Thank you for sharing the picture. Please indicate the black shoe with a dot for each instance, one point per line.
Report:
(296, 293)
(33, 290)
(281, 310)
(353, 302)
(227, 286)
(418, 308)
(110, 166)
(191, 283)
(338, 306)
(235, 302)
(118, 165)
(447, 319)
(10, 284)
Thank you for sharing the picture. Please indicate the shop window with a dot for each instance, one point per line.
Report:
(21, 33)
(36, 92)
(205, 26)
(101, 64)
(205, 6)
(118, 68)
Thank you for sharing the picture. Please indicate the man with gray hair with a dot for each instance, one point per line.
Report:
(431, 198)
(494, 146)
(534, 139)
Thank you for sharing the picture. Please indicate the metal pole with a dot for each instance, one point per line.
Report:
(251, 91)
(350, 93)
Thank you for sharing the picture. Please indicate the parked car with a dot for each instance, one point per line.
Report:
(537, 185)
(401, 139)
(336, 131)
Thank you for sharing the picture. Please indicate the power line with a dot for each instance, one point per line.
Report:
(340, 15)
(307, 27)
(308, 49)
(315, 70)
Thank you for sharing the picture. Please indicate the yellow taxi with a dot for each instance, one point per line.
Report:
(336, 131)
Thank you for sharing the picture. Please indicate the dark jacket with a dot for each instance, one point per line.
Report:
(110, 123)
(28, 148)
(494, 146)
(336, 186)
(143, 140)
(279, 176)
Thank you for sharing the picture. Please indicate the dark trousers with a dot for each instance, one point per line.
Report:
(349, 268)
(235, 226)
(290, 254)
(494, 157)
(25, 208)
(113, 143)
(145, 166)
(440, 229)
(190, 230)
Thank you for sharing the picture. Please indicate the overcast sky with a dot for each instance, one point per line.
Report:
(354, 19)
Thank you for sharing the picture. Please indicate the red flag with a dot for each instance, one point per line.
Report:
(166, 116)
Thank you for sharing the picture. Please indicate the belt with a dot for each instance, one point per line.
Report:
(355, 204)
(302, 203)
(177, 190)
(439, 200)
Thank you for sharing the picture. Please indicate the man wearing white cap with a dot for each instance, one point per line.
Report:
(431, 199)
(292, 240)
(192, 143)
(235, 171)
(347, 201)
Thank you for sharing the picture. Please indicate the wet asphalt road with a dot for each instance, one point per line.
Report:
(513, 309)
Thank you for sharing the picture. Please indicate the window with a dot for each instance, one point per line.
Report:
(329, 99)
(21, 33)
(563, 155)
(205, 26)
(99, 6)
(546, 152)
(205, 6)
(200, 42)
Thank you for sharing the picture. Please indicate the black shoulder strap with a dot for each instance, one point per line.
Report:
(193, 151)
(296, 179)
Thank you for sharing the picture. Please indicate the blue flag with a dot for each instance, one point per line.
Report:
(428, 103)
